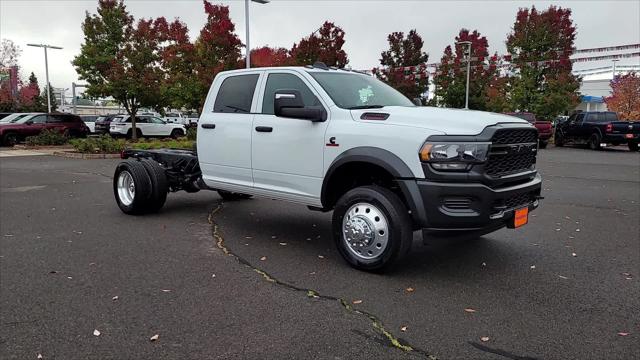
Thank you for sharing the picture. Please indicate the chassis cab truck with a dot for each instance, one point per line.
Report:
(343, 141)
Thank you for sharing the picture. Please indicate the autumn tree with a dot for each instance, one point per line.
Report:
(625, 96)
(324, 45)
(267, 56)
(405, 52)
(216, 49)
(540, 44)
(451, 76)
(120, 59)
(29, 96)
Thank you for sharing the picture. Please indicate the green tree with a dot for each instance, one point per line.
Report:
(405, 52)
(52, 99)
(451, 77)
(540, 44)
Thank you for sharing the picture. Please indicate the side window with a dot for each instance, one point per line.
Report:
(611, 117)
(40, 119)
(289, 82)
(156, 120)
(56, 119)
(141, 119)
(236, 94)
(579, 119)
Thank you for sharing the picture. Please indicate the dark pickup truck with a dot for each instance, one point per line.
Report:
(598, 128)
(545, 129)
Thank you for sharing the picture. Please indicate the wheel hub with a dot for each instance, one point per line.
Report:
(126, 188)
(365, 231)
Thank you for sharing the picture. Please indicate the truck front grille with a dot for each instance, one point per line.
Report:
(512, 151)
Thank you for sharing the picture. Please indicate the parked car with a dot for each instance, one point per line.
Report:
(175, 118)
(103, 123)
(545, 130)
(344, 141)
(598, 128)
(33, 124)
(14, 117)
(4, 115)
(146, 125)
(192, 120)
(90, 121)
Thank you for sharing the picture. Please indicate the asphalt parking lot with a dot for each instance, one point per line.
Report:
(261, 279)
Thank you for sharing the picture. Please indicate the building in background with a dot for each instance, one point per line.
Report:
(596, 85)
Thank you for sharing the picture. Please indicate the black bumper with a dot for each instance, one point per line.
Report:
(620, 138)
(441, 206)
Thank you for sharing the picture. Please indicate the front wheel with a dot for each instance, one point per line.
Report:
(542, 144)
(558, 140)
(176, 133)
(633, 146)
(371, 228)
(10, 139)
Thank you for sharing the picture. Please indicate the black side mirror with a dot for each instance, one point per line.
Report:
(288, 103)
(417, 101)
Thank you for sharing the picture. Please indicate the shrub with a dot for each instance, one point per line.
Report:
(169, 143)
(104, 144)
(192, 132)
(47, 137)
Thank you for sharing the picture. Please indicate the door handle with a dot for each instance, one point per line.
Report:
(264, 129)
(208, 126)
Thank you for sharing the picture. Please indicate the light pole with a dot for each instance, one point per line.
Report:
(466, 97)
(246, 23)
(614, 61)
(46, 69)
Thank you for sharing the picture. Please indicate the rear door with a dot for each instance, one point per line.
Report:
(56, 122)
(224, 131)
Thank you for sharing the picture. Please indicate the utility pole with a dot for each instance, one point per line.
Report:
(46, 69)
(466, 97)
(246, 24)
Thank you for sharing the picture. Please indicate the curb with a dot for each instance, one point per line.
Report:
(75, 155)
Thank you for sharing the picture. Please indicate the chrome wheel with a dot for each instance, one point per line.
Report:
(365, 231)
(126, 188)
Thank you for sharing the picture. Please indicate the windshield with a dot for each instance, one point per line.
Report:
(354, 91)
(13, 118)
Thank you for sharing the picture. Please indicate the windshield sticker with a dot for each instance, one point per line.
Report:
(365, 94)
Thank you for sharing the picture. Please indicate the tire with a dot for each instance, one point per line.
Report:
(10, 139)
(370, 208)
(176, 133)
(132, 200)
(633, 146)
(159, 185)
(594, 142)
(542, 144)
(231, 196)
(558, 140)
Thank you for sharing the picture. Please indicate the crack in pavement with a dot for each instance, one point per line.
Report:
(377, 324)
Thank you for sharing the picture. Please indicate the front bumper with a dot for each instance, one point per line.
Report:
(443, 206)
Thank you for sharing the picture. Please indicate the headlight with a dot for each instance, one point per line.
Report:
(454, 156)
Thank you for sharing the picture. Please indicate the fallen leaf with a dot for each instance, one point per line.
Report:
(562, 277)
(91, 264)
(410, 289)
(308, 239)
(166, 290)
(557, 229)
(574, 254)
(356, 302)
(403, 329)
(484, 264)
(39, 356)
(469, 310)
(312, 273)
(274, 237)
(263, 258)
(577, 230)
(484, 339)
(53, 272)
(533, 267)
(623, 333)
(96, 332)
(115, 298)
(320, 257)
(283, 243)
(213, 275)
(8, 235)
(248, 237)
(154, 337)
(69, 277)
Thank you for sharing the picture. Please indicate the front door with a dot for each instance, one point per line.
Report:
(288, 153)
(224, 132)
(38, 124)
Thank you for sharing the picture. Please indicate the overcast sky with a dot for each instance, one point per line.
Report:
(283, 22)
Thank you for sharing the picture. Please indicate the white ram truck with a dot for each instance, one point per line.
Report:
(343, 141)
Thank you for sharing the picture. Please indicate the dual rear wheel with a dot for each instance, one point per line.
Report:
(140, 186)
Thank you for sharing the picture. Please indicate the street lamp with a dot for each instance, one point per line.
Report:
(46, 69)
(614, 61)
(468, 43)
(246, 23)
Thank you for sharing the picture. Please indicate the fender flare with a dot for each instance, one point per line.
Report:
(388, 161)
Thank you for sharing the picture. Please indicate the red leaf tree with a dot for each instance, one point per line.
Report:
(625, 96)
(267, 56)
(324, 44)
(405, 52)
(451, 75)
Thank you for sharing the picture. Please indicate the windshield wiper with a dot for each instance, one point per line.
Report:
(236, 108)
(366, 107)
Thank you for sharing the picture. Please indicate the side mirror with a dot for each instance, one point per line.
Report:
(417, 101)
(288, 103)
